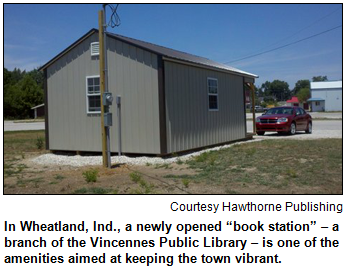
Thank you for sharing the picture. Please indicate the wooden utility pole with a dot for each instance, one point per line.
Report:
(252, 86)
(102, 87)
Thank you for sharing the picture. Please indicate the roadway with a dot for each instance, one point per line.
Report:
(320, 129)
(23, 126)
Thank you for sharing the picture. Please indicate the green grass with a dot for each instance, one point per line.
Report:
(16, 145)
(273, 163)
(179, 161)
(22, 141)
(165, 166)
(12, 169)
(176, 176)
(59, 177)
(39, 142)
(144, 186)
(94, 190)
(185, 182)
(91, 175)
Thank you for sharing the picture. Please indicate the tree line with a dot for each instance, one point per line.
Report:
(278, 90)
(22, 91)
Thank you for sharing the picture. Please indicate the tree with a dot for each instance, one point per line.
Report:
(301, 84)
(303, 95)
(37, 76)
(21, 96)
(266, 88)
(319, 78)
(7, 77)
(17, 75)
(277, 89)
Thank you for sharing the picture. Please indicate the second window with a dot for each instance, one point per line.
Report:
(93, 94)
(213, 98)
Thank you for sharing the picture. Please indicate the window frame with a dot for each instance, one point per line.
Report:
(91, 94)
(213, 94)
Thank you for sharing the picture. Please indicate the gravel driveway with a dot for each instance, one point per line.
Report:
(320, 129)
(314, 115)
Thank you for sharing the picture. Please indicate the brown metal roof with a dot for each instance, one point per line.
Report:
(179, 55)
(163, 51)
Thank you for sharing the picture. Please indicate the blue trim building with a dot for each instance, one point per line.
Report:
(326, 96)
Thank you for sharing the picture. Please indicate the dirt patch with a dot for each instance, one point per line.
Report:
(264, 167)
(42, 179)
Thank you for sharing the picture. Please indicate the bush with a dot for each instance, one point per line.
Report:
(91, 175)
(135, 177)
(185, 182)
(39, 142)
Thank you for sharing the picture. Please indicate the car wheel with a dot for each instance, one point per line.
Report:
(292, 129)
(260, 133)
(309, 129)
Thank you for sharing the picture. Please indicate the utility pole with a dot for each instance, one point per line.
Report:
(105, 96)
(252, 87)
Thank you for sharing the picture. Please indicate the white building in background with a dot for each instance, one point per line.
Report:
(326, 96)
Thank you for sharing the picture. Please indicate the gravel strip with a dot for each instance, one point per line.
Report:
(78, 161)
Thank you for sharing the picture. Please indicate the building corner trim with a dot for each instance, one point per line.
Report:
(46, 123)
(244, 102)
(162, 106)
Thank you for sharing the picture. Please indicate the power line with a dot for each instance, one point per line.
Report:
(115, 18)
(289, 44)
(299, 31)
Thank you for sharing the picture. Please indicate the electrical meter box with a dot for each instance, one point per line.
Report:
(107, 99)
(108, 119)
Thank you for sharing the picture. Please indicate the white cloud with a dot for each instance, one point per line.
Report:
(19, 47)
(27, 64)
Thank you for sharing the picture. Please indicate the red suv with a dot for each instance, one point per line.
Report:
(284, 120)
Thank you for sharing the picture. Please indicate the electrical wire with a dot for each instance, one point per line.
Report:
(115, 18)
(284, 46)
(299, 31)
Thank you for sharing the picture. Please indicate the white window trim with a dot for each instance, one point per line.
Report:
(213, 94)
(92, 94)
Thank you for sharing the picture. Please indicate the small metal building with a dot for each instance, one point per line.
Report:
(326, 96)
(38, 111)
(171, 101)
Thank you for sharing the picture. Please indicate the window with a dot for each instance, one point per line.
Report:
(317, 103)
(94, 48)
(93, 94)
(213, 94)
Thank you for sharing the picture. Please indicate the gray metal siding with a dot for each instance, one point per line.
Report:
(132, 74)
(70, 128)
(190, 124)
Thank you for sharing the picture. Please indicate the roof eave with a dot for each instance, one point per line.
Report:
(244, 74)
(37, 106)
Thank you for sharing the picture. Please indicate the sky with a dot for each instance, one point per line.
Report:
(35, 33)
